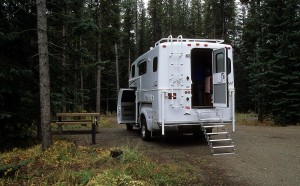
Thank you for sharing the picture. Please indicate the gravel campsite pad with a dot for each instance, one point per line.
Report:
(264, 155)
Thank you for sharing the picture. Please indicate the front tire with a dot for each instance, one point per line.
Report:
(145, 133)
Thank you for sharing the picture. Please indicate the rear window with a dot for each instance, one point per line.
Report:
(220, 66)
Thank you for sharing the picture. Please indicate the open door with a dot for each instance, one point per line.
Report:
(220, 97)
(126, 106)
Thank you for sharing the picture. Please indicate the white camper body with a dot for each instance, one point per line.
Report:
(180, 83)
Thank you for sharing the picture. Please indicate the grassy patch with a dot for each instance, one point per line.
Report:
(251, 119)
(67, 164)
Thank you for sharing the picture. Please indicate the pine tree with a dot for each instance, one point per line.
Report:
(44, 74)
(196, 19)
(280, 80)
(155, 10)
(219, 19)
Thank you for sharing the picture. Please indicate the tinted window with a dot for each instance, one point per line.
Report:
(228, 66)
(142, 68)
(220, 66)
(155, 62)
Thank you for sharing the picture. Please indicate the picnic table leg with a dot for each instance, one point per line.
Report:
(94, 131)
(59, 126)
(97, 119)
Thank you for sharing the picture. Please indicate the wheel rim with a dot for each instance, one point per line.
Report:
(143, 130)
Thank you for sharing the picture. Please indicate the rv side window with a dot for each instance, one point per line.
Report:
(142, 68)
(220, 66)
(155, 61)
(228, 65)
(132, 70)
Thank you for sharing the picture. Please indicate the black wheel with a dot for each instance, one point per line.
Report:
(145, 133)
(129, 127)
(197, 132)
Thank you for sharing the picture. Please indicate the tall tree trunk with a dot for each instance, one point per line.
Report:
(129, 62)
(117, 67)
(136, 28)
(64, 65)
(64, 107)
(98, 91)
(98, 58)
(44, 74)
(81, 76)
(223, 19)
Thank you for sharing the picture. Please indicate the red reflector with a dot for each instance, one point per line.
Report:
(164, 46)
(170, 96)
(187, 107)
(197, 44)
(189, 44)
(205, 44)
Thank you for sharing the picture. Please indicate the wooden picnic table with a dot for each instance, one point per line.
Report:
(79, 118)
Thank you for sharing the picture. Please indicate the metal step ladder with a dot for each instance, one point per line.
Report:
(176, 74)
(217, 137)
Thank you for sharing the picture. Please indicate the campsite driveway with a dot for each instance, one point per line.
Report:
(264, 155)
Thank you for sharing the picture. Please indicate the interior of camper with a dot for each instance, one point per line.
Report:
(201, 75)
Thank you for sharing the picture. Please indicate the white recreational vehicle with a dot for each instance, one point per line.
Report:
(187, 84)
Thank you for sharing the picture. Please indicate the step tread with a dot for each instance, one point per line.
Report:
(216, 140)
(215, 133)
(211, 123)
(213, 126)
(224, 153)
(221, 147)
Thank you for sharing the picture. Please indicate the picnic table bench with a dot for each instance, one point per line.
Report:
(79, 119)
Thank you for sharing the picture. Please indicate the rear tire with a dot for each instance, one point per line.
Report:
(145, 133)
(197, 132)
(129, 127)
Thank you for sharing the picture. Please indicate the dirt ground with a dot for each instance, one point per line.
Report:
(264, 155)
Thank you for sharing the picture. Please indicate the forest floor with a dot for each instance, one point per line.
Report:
(265, 155)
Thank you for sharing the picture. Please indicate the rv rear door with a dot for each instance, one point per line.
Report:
(126, 106)
(220, 97)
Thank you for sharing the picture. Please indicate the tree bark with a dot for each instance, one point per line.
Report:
(81, 77)
(44, 74)
(98, 58)
(129, 63)
(117, 67)
(64, 107)
(98, 91)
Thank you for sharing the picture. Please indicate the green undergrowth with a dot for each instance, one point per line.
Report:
(251, 119)
(67, 164)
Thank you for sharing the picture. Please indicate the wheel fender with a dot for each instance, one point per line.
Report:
(147, 112)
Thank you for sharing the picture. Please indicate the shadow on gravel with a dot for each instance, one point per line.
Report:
(174, 139)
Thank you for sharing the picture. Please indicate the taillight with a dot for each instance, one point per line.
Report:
(172, 96)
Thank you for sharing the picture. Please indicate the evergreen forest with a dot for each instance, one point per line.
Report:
(91, 44)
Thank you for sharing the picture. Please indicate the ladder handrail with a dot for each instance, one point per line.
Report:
(170, 39)
(181, 39)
